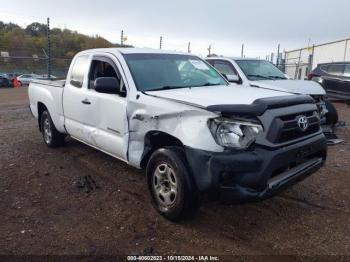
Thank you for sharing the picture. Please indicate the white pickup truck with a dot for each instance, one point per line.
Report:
(263, 74)
(176, 116)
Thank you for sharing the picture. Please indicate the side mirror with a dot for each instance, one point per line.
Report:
(232, 78)
(107, 85)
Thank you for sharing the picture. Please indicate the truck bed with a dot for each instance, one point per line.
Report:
(48, 93)
(55, 83)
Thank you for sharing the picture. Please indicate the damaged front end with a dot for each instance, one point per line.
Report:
(239, 152)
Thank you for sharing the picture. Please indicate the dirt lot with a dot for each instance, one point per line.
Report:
(43, 211)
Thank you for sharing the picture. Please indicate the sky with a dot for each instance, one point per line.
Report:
(224, 24)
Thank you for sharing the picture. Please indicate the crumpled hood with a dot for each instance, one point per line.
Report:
(291, 86)
(216, 95)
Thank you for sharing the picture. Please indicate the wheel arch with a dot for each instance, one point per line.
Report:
(154, 140)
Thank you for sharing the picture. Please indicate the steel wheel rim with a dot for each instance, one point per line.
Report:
(47, 131)
(165, 185)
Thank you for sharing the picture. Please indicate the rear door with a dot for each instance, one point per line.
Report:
(333, 80)
(347, 80)
(76, 105)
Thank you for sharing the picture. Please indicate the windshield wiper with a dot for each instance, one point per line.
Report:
(206, 84)
(166, 88)
(260, 76)
(178, 87)
(278, 77)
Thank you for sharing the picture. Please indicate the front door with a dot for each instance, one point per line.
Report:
(110, 132)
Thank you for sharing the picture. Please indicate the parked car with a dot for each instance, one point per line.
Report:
(43, 77)
(27, 78)
(11, 75)
(263, 74)
(5, 81)
(175, 116)
(334, 77)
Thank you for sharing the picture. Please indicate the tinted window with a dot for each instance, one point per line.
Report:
(324, 68)
(347, 70)
(335, 69)
(170, 71)
(225, 68)
(78, 71)
(103, 67)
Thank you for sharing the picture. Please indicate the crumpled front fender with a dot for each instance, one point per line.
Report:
(184, 122)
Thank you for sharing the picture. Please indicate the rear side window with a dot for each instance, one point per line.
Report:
(324, 68)
(78, 71)
(347, 70)
(335, 69)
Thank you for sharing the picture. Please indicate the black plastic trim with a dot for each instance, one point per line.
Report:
(241, 176)
(259, 106)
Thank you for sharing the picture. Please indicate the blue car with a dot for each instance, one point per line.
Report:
(5, 81)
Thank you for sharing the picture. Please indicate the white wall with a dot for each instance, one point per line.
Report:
(329, 53)
(332, 52)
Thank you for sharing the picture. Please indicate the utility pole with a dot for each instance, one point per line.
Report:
(209, 50)
(48, 49)
(272, 57)
(189, 47)
(122, 38)
(278, 55)
(298, 65)
(242, 52)
(312, 57)
(160, 42)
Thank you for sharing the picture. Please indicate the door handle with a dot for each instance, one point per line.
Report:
(86, 102)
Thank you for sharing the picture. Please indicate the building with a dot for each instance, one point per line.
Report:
(299, 62)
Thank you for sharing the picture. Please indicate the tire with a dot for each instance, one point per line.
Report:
(332, 115)
(51, 137)
(171, 186)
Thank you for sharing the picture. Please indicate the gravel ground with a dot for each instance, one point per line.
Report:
(43, 211)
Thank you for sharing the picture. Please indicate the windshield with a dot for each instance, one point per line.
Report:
(260, 70)
(170, 71)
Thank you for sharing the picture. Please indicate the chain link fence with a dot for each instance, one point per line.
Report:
(27, 61)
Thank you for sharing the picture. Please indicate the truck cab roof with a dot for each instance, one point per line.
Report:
(130, 50)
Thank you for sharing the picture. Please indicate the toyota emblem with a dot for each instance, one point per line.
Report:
(303, 123)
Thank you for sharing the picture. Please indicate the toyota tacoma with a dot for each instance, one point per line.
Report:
(175, 116)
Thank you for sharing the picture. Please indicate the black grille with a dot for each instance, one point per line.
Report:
(285, 128)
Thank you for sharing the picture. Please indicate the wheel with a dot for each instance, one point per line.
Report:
(170, 183)
(332, 115)
(51, 136)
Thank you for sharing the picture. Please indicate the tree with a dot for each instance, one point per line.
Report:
(36, 29)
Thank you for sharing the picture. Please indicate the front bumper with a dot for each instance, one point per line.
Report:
(258, 173)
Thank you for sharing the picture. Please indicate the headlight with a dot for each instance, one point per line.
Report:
(321, 105)
(234, 133)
